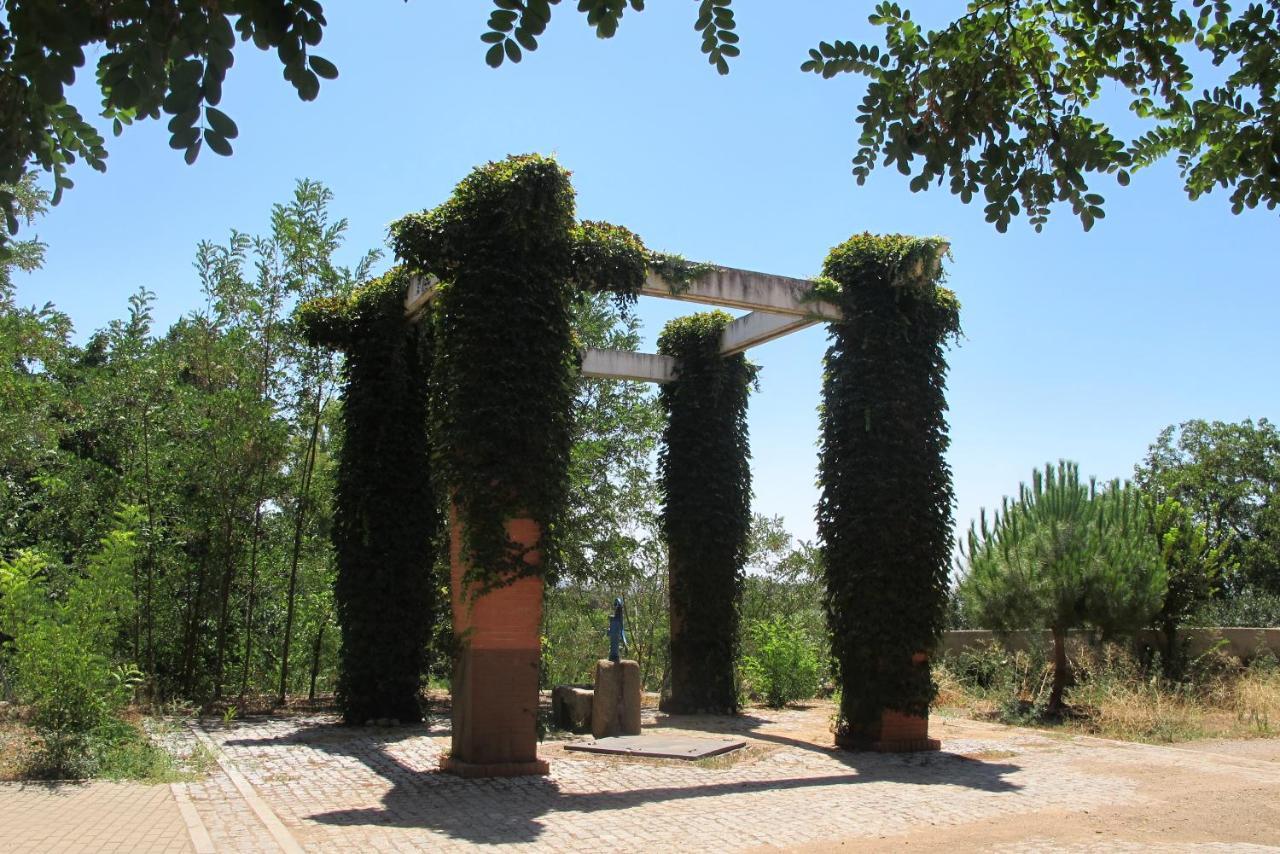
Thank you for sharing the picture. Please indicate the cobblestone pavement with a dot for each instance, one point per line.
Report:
(330, 788)
(91, 817)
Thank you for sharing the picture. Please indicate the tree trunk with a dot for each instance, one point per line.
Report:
(224, 607)
(315, 661)
(151, 554)
(304, 500)
(253, 589)
(1171, 662)
(194, 610)
(1061, 671)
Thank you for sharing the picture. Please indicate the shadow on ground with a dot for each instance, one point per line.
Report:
(509, 810)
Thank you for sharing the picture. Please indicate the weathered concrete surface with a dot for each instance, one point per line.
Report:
(659, 746)
(626, 365)
(734, 288)
(759, 327)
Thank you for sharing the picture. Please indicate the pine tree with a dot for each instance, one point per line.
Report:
(1064, 556)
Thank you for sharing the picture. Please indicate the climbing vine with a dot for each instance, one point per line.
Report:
(511, 258)
(885, 513)
(386, 519)
(504, 363)
(705, 479)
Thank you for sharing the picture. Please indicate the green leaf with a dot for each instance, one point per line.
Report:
(217, 142)
(494, 56)
(184, 138)
(221, 123)
(526, 39)
(323, 67)
(308, 85)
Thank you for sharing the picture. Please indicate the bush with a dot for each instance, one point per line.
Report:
(785, 666)
(61, 658)
(1249, 607)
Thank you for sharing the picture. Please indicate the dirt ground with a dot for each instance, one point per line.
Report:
(1182, 804)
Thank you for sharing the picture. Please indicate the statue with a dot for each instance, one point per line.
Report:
(617, 634)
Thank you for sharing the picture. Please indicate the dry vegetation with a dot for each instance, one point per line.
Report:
(1115, 696)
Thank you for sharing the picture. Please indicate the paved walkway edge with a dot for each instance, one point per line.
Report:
(265, 814)
(199, 834)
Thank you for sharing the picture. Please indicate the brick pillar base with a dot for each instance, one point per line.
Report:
(495, 676)
(895, 733)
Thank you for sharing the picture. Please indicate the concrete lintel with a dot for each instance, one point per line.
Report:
(422, 289)
(759, 327)
(734, 288)
(625, 365)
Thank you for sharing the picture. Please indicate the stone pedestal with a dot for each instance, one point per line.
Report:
(571, 707)
(495, 677)
(615, 706)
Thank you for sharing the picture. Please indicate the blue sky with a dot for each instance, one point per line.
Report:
(1077, 345)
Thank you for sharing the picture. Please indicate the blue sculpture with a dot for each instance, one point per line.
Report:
(617, 634)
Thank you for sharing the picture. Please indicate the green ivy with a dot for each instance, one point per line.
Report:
(885, 513)
(386, 519)
(609, 258)
(705, 479)
(504, 375)
(511, 260)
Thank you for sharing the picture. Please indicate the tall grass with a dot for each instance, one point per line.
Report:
(1117, 695)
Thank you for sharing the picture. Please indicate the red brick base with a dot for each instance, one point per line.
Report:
(536, 768)
(896, 733)
(495, 678)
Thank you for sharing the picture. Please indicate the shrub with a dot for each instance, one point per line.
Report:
(785, 666)
(61, 655)
(1248, 607)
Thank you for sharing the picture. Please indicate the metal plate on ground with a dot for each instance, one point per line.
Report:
(659, 746)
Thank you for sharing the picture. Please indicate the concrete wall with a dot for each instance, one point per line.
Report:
(1241, 642)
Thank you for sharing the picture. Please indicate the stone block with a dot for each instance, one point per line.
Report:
(571, 707)
(615, 706)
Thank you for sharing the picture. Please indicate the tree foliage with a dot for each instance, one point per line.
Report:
(884, 515)
(220, 429)
(1192, 570)
(1006, 102)
(705, 478)
(153, 59)
(1065, 555)
(1227, 475)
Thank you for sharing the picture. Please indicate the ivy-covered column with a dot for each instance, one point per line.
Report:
(885, 513)
(385, 518)
(705, 477)
(503, 379)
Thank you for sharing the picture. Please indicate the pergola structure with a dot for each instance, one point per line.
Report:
(778, 305)
(495, 689)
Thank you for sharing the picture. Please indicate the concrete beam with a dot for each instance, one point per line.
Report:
(625, 365)
(734, 288)
(422, 289)
(759, 327)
